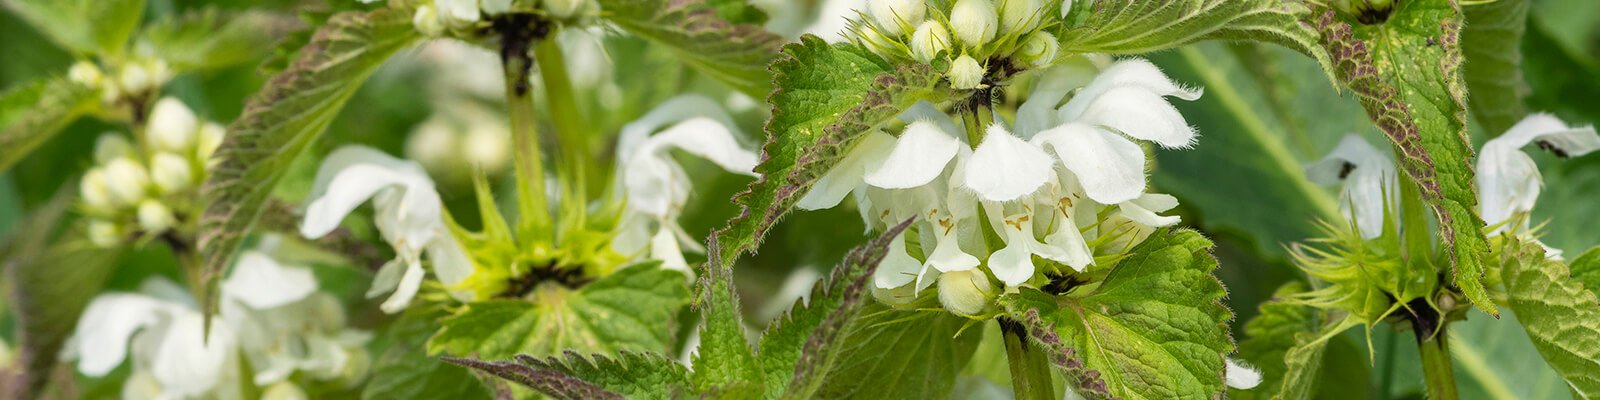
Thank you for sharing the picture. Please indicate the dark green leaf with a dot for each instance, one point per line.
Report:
(736, 53)
(901, 354)
(1492, 44)
(725, 362)
(578, 377)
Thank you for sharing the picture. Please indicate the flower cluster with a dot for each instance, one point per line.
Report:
(133, 79)
(1063, 186)
(973, 35)
(434, 19)
(136, 188)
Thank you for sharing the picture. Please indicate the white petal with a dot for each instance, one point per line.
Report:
(261, 282)
(632, 234)
(1352, 150)
(676, 109)
(1140, 114)
(1137, 212)
(188, 364)
(1369, 178)
(387, 278)
(1108, 166)
(450, 262)
(947, 255)
(106, 326)
(925, 111)
(664, 247)
(1069, 239)
(1012, 264)
(897, 268)
(707, 138)
(1127, 73)
(409, 284)
(829, 190)
(349, 155)
(1005, 168)
(1508, 180)
(350, 187)
(1550, 130)
(1239, 376)
(918, 156)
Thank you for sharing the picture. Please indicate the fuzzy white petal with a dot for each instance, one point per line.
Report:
(1508, 180)
(918, 157)
(185, 361)
(676, 109)
(829, 190)
(261, 282)
(897, 268)
(1140, 114)
(1005, 168)
(1130, 73)
(1108, 166)
(407, 289)
(1240, 376)
(1368, 176)
(1139, 212)
(106, 326)
(664, 247)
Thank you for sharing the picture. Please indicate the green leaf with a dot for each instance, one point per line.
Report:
(1492, 44)
(1495, 360)
(724, 363)
(404, 371)
(32, 113)
(901, 354)
(282, 120)
(631, 309)
(738, 12)
(800, 348)
(1586, 269)
(1272, 333)
(210, 38)
(578, 377)
(1154, 329)
(1144, 26)
(83, 26)
(1407, 74)
(1561, 316)
(732, 52)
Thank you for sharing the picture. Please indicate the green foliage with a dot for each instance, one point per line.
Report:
(1586, 269)
(736, 53)
(31, 113)
(211, 38)
(1144, 26)
(405, 371)
(1272, 333)
(282, 120)
(631, 309)
(901, 354)
(1560, 314)
(83, 26)
(1407, 74)
(1492, 40)
(1155, 328)
(579, 377)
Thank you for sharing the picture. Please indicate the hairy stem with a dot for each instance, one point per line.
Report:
(571, 130)
(518, 34)
(1438, 372)
(1030, 371)
(977, 115)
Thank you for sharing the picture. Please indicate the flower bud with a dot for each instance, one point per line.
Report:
(426, 20)
(111, 146)
(170, 172)
(85, 73)
(966, 293)
(211, 135)
(563, 9)
(92, 188)
(104, 233)
(486, 146)
(894, 16)
(965, 73)
(284, 390)
(126, 181)
(929, 39)
(432, 143)
(172, 126)
(154, 217)
(1020, 15)
(457, 13)
(134, 78)
(494, 7)
(875, 41)
(1040, 49)
(1066, 8)
(974, 22)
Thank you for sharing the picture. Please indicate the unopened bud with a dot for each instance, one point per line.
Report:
(457, 13)
(966, 293)
(929, 39)
(170, 172)
(875, 41)
(1020, 15)
(426, 20)
(494, 7)
(487, 146)
(126, 181)
(85, 73)
(895, 16)
(966, 73)
(154, 217)
(211, 135)
(111, 146)
(432, 143)
(104, 233)
(134, 78)
(172, 126)
(1040, 49)
(284, 390)
(92, 188)
(563, 8)
(974, 22)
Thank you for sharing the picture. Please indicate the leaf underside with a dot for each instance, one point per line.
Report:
(1144, 26)
(734, 53)
(1560, 313)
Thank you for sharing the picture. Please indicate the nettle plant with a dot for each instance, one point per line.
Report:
(998, 154)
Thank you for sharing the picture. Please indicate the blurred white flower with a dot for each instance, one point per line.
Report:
(172, 127)
(1240, 376)
(1367, 175)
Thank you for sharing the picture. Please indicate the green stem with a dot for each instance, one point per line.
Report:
(1030, 371)
(534, 223)
(977, 116)
(1437, 370)
(571, 130)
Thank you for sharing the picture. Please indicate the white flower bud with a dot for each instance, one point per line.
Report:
(111, 146)
(284, 390)
(487, 146)
(159, 73)
(170, 172)
(563, 8)
(895, 16)
(929, 39)
(211, 135)
(358, 362)
(172, 126)
(109, 93)
(966, 73)
(875, 41)
(426, 20)
(899, 296)
(457, 13)
(1020, 15)
(1066, 8)
(154, 217)
(104, 233)
(494, 7)
(134, 78)
(967, 292)
(432, 144)
(92, 188)
(974, 22)
(1040, 49)
(126, 181)
(85, 73)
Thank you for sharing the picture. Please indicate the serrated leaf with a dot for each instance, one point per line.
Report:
(83, 26)
(732, 52)
(1407, 74)
(1143, 26)
(574, 376)
(1492, 44)
(799, 349)
(405, 371)
(631, 309)
(32, 113)
(210, 38)
(724, 361)
(1561, 315)
(901, 354)
(282, 120)
(1154, 329)
(1272, 333)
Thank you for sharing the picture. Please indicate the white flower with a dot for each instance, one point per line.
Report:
(966, 73)
(1240, 376)
(110, 146)
(85, 73)
(495, 7)
(974, 22)
(1368, 176)
(94, 190)
(656, 187)
(563, 8)
(966, 292)
(408, 214)
(1508, 180)
(154, 217)
(126, 181)
(1020, 15)
(929, 39)
(164, 326)
(172, 127)
(211, 135)
(457, 13)
(426, 20)
(896, 16)
(170, 172)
